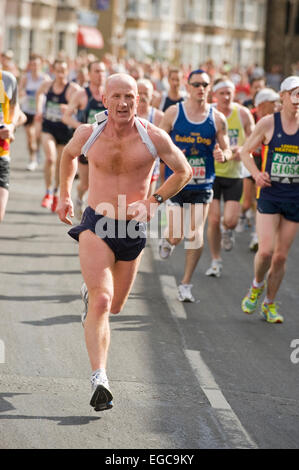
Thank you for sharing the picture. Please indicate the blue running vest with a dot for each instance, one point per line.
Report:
(197, 141)
(280, 158)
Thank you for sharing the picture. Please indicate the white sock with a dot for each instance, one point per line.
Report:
(101, 371)
(256, 284)
(267, 300)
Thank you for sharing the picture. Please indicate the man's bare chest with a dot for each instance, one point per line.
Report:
(122, 157)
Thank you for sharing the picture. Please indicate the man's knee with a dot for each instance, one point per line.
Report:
(230, 222)
(265, 254)
(279, 259)
(214, 220)
(100, 301)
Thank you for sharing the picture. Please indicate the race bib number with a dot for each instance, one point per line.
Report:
(91, 115)
(31, 105)
(198, 170)
(233, 135)
(53, 112)
(285, 167)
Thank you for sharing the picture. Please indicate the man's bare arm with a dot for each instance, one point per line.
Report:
(68, 167)
(255, 140)
(222, 151)
(72, 108)
(40, 94)
(174, 158)
(168, 119)
(247, 120)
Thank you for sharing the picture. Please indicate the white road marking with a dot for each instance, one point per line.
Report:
(232, 428)
(169, 289)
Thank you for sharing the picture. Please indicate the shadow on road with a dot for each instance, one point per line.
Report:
(39, 273)
(62, 420)
(39, 255)
(4, 404)
(61, 320)
(59, 299)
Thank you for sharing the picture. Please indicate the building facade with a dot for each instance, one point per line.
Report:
(44, 27)
(188, 32)
(194, 31)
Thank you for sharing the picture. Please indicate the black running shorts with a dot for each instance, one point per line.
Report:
(126, 238)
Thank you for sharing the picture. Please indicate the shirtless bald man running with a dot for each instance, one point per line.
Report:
(121, 160)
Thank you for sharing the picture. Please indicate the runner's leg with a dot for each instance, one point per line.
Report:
(49, 146)
(3, 202)
(97, 263)
(213, 232)
(267, 228)
(199, 213)
(285, 236)
(231, 213)
(124, 273)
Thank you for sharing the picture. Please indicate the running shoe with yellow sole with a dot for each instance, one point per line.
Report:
(250, 301)
(270, 314)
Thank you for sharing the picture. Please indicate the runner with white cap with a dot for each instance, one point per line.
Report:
(266, 102)
(278, 197)
(228, 184)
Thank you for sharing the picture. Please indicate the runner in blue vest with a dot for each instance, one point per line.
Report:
(195, 127)
(277, 197)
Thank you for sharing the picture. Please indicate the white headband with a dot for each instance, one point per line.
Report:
(224, 84)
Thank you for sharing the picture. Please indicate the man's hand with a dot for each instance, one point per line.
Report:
(38, 117)
(142, 211)
(65, 207)
(262, 179)
(7, 131)
(218, 154)
(236, 153)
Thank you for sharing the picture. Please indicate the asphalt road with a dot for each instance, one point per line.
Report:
(192, 376)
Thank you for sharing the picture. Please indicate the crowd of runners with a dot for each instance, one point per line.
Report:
(217, 146)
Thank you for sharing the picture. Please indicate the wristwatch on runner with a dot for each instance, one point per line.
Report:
(158, 198)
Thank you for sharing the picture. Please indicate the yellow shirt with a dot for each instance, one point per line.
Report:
(4, 117)
(236, 133)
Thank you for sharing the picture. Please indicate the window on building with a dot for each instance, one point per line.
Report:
(132, 9)
(215, 10)
(240, 12)
(12, 36)
(161, 8)
(138, 9)
(61, 40)
(246, 14)
(31, 41)
(261, 15)
(193, 10)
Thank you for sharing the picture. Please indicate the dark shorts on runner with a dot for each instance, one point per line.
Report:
(126, 238)
(193, 196)
(30, 119)
(4, 172)
(230, 188)
(61, 133)
(289, 210)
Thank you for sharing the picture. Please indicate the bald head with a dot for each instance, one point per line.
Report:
(121, 97)
(120, 79)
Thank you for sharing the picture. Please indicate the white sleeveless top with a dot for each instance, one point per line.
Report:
(99, 125)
